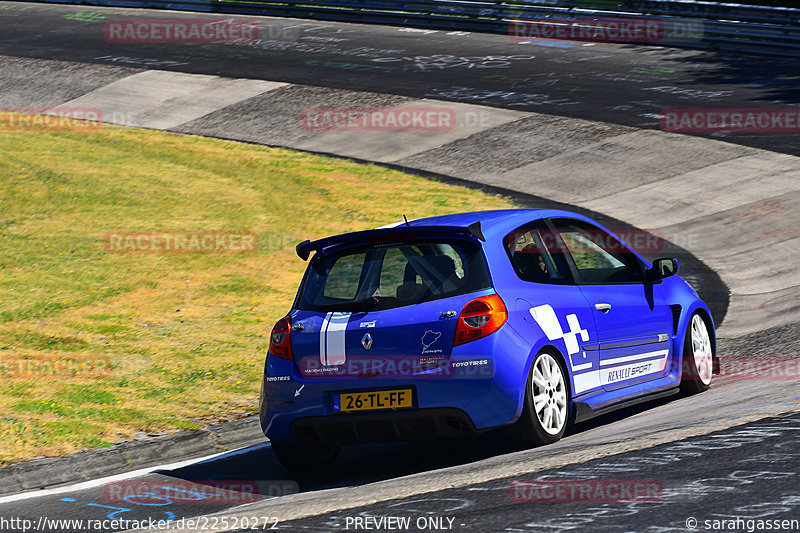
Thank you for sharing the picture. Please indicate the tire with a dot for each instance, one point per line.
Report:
(305, 458)
(698, 357)
(547, 388)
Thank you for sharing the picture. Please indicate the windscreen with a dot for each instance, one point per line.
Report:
(393, 275)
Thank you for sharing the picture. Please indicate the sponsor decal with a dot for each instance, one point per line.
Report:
(477, 362)
(428, 339)
(637, 366)
(278, 378)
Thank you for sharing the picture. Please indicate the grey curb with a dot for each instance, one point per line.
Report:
(129, 456)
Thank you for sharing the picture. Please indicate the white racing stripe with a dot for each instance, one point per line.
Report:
(335, 338)
(332, 339)
(586, 381)
(323, 330)
(635, 357)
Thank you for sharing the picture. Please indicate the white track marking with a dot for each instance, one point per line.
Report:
(128, 475)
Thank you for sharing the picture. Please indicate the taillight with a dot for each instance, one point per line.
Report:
(280, 340)
(479, 318)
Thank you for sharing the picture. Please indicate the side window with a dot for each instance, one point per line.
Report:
(534, 256)
(598, 256)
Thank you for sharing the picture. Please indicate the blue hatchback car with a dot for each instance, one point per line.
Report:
(452, 325)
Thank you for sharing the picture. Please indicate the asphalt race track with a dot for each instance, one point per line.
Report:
(684, 476)
(729, 453)
(480, 467)
(618, 84)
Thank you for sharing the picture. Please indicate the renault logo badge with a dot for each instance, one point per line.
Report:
(366, 341)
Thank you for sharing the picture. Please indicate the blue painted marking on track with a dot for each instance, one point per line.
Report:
(110, 516)
(553, 44)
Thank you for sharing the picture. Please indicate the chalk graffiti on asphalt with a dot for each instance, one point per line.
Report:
(444, 61)
(141, 61)
(510, 98)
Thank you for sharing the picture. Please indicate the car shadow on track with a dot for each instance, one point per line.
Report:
(359, 465)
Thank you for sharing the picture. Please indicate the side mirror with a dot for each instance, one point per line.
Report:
(662, 268)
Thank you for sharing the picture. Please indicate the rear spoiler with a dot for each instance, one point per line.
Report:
(373, 236)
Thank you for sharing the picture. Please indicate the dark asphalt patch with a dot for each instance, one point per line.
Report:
(747, 472)
(275, 117)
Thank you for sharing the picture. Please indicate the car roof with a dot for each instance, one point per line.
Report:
(494, 223)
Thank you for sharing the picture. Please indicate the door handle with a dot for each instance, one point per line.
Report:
(604, 307)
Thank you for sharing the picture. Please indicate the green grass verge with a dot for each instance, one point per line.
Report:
(184, 335)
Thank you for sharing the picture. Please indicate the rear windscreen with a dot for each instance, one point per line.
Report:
(392, 276)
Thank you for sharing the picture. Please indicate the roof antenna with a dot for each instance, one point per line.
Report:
(404, 218)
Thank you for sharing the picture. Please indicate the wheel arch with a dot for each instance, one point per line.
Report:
(680, 334)
(712, 331)
(555, 352)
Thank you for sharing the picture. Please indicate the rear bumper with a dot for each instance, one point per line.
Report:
(473, 398)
